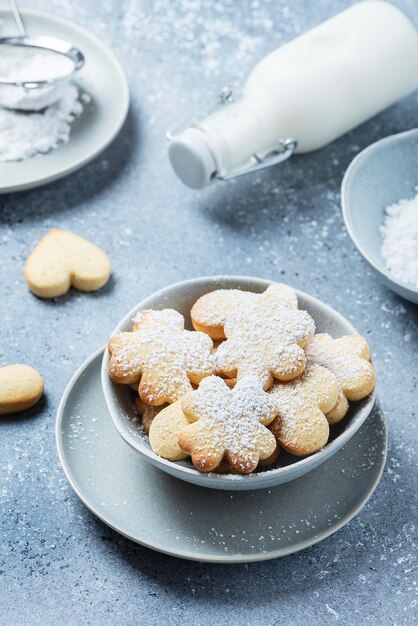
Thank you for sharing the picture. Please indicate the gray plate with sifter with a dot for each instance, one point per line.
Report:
(101, 79)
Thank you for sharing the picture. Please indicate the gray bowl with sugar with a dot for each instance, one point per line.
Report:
(381, 175)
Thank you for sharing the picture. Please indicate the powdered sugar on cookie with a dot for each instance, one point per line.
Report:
(163, 357)
(228, 422)
(348, 358)
(209, 312)
(265, 340)
(282, 384)
(301, 426)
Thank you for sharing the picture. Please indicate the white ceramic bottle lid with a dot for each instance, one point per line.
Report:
(191, 159)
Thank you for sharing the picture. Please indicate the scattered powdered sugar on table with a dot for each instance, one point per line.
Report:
(187, 21)
(23, 135)
(400, 240)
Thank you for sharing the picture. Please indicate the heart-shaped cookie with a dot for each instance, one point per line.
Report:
(61, 260)
(20, 388)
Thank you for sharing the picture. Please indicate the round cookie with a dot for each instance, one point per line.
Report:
(147, 412)
(271, 459)
(164, 431)
(21, 386)
(339, 410)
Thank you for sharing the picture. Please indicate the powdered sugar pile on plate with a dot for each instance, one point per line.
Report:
(23, 135)
(400, 240)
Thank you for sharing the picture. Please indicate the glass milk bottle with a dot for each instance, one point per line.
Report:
(304, 95)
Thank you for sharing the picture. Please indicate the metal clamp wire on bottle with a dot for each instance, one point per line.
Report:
(286, 147)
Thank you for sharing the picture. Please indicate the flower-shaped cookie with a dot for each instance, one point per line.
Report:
(228, 422)
(301, 426)
(266, 340)
(163, 357)
(349, 359)
(209, 312)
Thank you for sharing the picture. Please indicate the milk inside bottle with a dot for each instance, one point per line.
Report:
(311, 90)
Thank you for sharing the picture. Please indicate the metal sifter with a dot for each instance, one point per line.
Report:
(35, 92)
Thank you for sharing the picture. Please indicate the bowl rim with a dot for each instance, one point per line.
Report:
(256, 477)
(346, 210)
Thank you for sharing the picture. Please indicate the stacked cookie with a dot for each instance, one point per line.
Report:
(251, 379)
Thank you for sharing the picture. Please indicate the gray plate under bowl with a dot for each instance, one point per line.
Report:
(181, 296)
(169, 515)
(381, 175)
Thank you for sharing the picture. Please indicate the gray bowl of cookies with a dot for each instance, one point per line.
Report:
(236, 383)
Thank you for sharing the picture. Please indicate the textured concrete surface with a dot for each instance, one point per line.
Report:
(58, 563)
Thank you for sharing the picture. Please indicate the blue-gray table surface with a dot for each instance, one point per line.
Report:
(59, 563)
